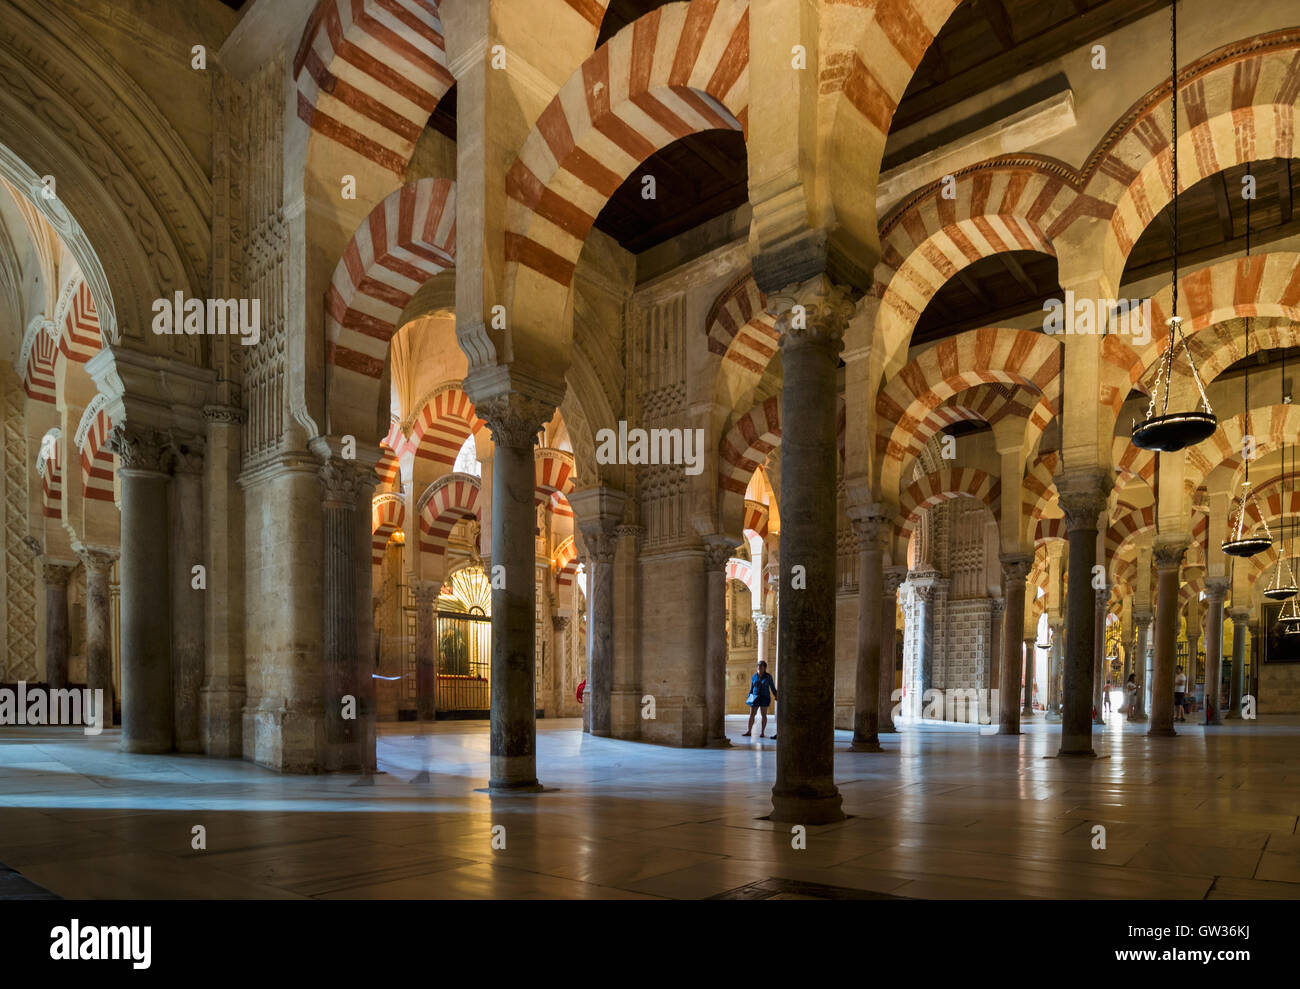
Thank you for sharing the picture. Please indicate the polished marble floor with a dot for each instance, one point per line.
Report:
(943, 812)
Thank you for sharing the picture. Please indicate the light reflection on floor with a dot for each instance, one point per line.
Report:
(943, 812)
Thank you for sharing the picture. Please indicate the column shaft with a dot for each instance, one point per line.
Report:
(811, 339)
(1015, 568)
(1215, 591)
(1237, 683)
(716, 556)
(344, 732)
(888, 648)
(1031, 655)
(426, 652)
(99, 626)
(56, 624)
(1099, 655)
(871, 532)
(189, 623)
(1083, 499)
(1169, 557)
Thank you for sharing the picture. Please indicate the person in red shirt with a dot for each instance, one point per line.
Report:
(581, 689)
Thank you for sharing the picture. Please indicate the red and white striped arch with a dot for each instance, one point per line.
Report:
(929, 238)
(369, 74)
(1127, 523)
(1049, 530)
(940, 486)
(741, 570)
(41, 349)
(565, 563)
(740, 330)
(409, 238)
(1038, 489)
(1239, 105)
(1271, 425)
(387, 515)
(79, 339)
(756, 514)
(388, 467)
(553, 477)
(988, 355)
(676, 71)
(745, 446)
(50, 468)
(97, 460)
(448, 500)
(441, 427)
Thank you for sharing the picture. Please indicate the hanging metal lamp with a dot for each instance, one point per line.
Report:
(1289, 620)
(1283, 586)
(1169, 432)
(1240, 542)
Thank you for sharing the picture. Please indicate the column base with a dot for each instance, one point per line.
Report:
(718, 743)
(1137, 719)
(1009, 730)
(1161, 733)
(802, 808)
(1214, 721)
(868, 744)
(1076, 745)
(141, 746)
(495, 789)
(1052, 718)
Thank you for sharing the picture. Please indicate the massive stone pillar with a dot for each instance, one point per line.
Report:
(1015, 568)
(56, 623)
(1031, 657)
(98, 565)
(925, 589)
(515, 421)
(1142, 623)
(1216, 590)
(599, 511)
(189, 594)
(1099, 653)
(1054, 657)
(221, 699)
(344, 482)
(813, 318)
(425, 593)
(145, 586)
(871, 531)
(892, 580)
(1237, 683)
(993, 688)
(716, 555)
(1083, 499)
(1169, 558)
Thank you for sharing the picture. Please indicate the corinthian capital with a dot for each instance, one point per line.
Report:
(1168, 553)
(97, 562)
(140, 449)
(716, 554)
(1015, 567)
(815, 311)
(1083, 496)
(515, 419)
(344, 482)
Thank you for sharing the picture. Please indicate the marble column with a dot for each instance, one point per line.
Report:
(1054, 657)
(189, 622)
(812, 320)
(425, 593)
(1142, 623)
(98, 565)
(892, 580)
(515, 421)
(601, 539)
(1216, 591)
(1237, 684)
(871, 532)
(56, 623)
(1083, 499)
(1169, 558)
(343, 482)
(763, 625)
(1015, 569)
(144, 591)
(925, 589)
(1099, 653)
(567, 687)
(1250, 685)
(1031, 657)
(993, 688)
(716, 555)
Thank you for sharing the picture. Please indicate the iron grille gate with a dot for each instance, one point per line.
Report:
(464, 664)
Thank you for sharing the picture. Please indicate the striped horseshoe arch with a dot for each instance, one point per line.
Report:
(678, 70)
(369, 74)
(97, 461)
(406, 240)
(387, 515)
(553, 477)
(565, 563)
(39, 350)
(445, 420)
(448, 500)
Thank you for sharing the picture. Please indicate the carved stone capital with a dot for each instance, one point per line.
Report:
(1168, 553)
(56, 574)
(1216, 590)
(515, 419)
(1240, 616)
(716, 555)
(140, 449)
(635, 533)
(893, 579)
(561, 622)
(872, 531)
(228, 415)
(425, 593)
(1015, 567)
(97, 562)
(997, 607)
(344, 482)
(1142, 619)
(814, 312)
(1083, 497)
(600, 540)
(185, 453)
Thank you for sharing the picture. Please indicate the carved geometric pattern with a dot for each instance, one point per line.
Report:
(20, 565)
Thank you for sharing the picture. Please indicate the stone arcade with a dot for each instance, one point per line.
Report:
(487, 416)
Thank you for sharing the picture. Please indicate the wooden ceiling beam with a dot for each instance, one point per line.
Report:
(1222, 205)
(997, 18)
(1018, 273)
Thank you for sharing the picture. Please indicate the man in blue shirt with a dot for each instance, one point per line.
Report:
(762, 688)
